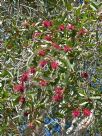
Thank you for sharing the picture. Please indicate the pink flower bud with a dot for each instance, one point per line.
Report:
(36, 34)
(76, 113)
(86, 112)
(54, 65)
(42, 52)
(43, 83)
(43, 63)
(56, 46)
(48, 38)
(24, 77)
(70, 27)
(22, 99)
(82, 31)
(47, 23)
(57, 98)
(67, 49)
(61, 27)
(32, 70)
(59, 90)
(19, 88)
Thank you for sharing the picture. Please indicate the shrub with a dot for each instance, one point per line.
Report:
(51, 74)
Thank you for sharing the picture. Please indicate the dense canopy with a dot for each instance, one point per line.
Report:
(50, 68)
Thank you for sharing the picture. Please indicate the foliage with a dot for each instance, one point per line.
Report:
(50, 71)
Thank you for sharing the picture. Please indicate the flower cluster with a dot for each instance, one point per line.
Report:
(76, 113)
(58, 94)
(20, 88)
(56, 81)
(24, 77)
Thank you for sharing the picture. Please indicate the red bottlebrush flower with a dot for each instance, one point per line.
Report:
(86, 112)
(84, 75)
(56, 46)
(43, 83)
(22, 99)
(70, 27)
(57, 98)
(19, 88)
(58, 94)
(67, 49)
(61, 27)
(42, 52)
(32, 70)
(75, 113)
(59, 90)
(24, 77)
(54, 65)
(47, 23)
(43, 63)
(26, 113)
(82, 31)
(48, 38)
(36, 34)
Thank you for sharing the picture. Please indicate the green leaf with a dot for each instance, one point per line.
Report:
(94, 6)
(84, 103)
(95, 97)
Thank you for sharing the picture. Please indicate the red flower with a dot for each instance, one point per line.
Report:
(43, 83)
(86, 112)
(67, 49)
(32, 70)
(57, 98)
(19, 88)
(76, 113)
(84, 75)
(47, 23)
(48, 38)
(56, 46)
(42, 53)
(22, 99)
(54, 65)
(43, 63)
(59, 90)
(61, 27)
(70, 27)
(24, 77)
(82, 31)
(58, 94)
